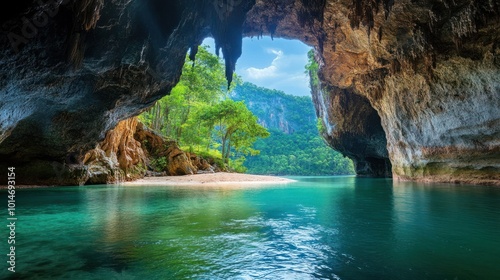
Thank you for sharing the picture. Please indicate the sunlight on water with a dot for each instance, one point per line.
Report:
(317, 228)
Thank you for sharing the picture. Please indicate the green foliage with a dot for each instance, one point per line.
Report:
(320, 127)
(159, 164)
(202, 82)
(297, 154)
(312, 69)
(234, 125)
(198, 114)
(294, 146)
(238, 165)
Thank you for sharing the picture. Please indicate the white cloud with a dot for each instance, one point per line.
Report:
(286, 73)
(272, 71)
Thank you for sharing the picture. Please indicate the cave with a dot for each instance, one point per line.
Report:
(408, 89)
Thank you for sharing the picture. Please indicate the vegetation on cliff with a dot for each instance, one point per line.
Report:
(294, 147)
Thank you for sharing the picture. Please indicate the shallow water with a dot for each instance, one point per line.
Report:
(317, 228)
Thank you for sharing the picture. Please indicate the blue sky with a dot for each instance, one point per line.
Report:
(276, 64)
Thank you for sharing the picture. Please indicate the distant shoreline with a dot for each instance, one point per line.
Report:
(211, 179)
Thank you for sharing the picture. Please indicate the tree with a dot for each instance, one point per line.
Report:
(196, 111)
(234, 125)
(202, 82)
(312, 69)
(294, 146)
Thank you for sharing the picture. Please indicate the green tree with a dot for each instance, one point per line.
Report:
(312, 69)
(234, 125)
(197, 110)
(202, 82)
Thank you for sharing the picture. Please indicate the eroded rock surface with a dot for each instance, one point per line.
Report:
(119, 157)
(351, 126)
(429, 69)
(175, 161)
(71, 70)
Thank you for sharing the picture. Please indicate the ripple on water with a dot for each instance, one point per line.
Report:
(325, 232)
(285, 248)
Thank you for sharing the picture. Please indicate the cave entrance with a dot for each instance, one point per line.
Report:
(275, 85)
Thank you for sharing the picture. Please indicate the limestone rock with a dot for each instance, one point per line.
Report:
(156, 146)
(103, 169)
(353, 127)
(202, 165)
(429, 70)
(119, 157)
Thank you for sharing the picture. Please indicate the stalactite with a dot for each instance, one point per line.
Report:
(364, 11)
(387, 7)
(192, 52)
(86, 15)
(227, 30)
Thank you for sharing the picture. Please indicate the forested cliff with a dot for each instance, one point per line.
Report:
(294, 146)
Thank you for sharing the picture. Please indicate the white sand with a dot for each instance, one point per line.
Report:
(213, 179)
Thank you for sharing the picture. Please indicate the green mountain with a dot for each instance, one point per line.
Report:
(294, 146)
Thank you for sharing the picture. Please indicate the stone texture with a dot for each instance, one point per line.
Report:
(353, 127)
(202, 165)
(177, 162)
(119, 157)
(73, 77)
(430, 70)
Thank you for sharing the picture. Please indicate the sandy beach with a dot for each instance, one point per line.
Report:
(234, 180)
(213, 179)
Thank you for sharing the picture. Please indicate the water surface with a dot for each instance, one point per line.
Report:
(317, 228)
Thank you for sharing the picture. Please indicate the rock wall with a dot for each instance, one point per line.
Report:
(119, 157)
(430, 70)
(176, 161)
(71, 70)
(353, 127)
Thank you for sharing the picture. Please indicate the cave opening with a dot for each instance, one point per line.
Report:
(274, 81)
(74, 69)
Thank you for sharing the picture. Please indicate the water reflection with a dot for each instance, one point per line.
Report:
(364, 219)
(450, 226)
(317, 228)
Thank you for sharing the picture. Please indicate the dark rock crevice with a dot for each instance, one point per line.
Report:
(352, 127)
(81, 72)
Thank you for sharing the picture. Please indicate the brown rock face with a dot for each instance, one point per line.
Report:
(429, 69)
(177, 162)
(119, 157)
(128, 151)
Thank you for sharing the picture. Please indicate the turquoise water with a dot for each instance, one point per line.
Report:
(317, 228)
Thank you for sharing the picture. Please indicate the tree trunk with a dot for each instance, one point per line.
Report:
(228, 151)
(223, 149)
